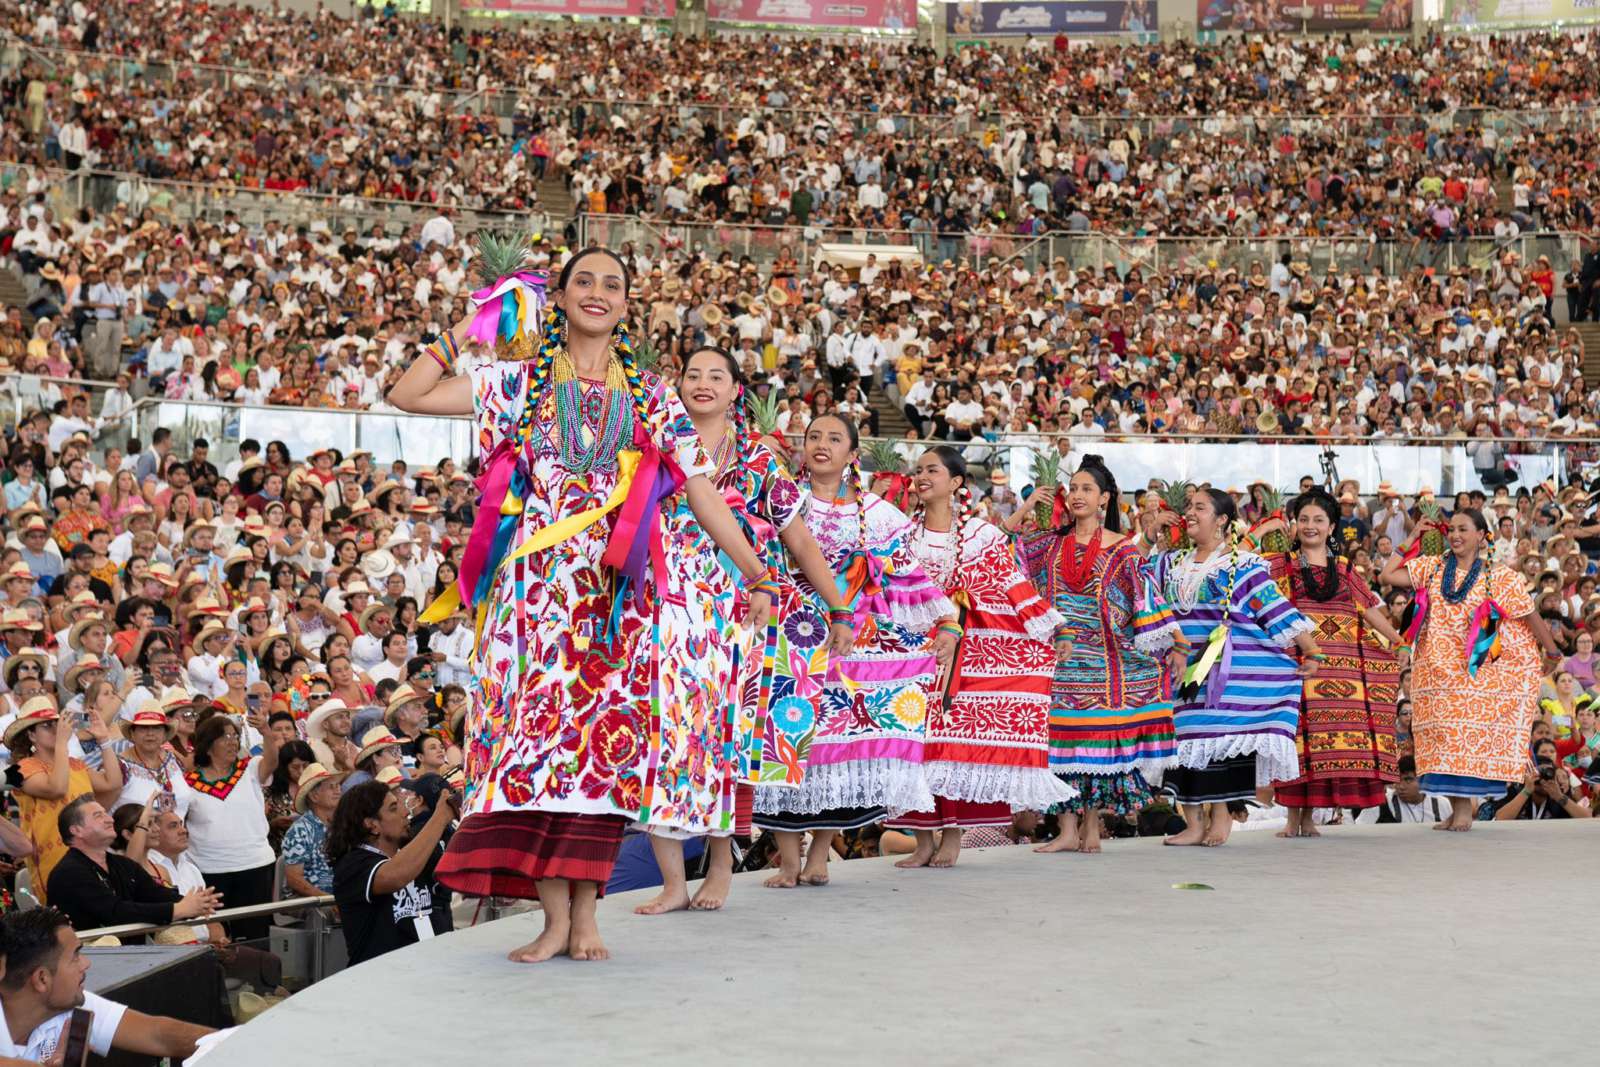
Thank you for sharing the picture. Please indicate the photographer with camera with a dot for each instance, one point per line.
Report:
(1546, 791)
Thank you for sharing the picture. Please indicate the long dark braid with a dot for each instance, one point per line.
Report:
(630, 367)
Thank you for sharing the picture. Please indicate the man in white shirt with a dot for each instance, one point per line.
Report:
(438, 230)
(44, 981)
(451, 648)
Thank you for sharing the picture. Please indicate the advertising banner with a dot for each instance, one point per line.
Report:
(645, 9)
(1046, 18)
(873, 14)
(1308, 16)
(1489, 13)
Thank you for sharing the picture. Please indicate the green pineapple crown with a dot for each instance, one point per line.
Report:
(1176, 495)
(1045, 470)
(764, 412)
(882, 457)
(500, 255)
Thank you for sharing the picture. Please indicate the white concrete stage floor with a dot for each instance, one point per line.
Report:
(1371, 945)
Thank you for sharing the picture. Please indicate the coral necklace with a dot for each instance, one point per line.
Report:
(1074, 573)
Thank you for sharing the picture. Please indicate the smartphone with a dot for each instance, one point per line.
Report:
(147, 680)
(252, 702)
(164, 802)
(75, 1051)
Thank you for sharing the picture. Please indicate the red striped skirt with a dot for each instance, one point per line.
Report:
(949, 813)
(506, 853)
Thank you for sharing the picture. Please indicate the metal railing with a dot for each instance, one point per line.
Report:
(507, 101)
(763, 243)
(196, 201)
(248, 911)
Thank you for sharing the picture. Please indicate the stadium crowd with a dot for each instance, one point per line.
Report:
(971, 146)
(217, 650)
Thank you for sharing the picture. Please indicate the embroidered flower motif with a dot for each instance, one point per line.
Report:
(805, 629)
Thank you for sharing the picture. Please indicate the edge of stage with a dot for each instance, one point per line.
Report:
(1389, 944)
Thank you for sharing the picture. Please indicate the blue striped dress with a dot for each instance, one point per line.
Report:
(1248, 710)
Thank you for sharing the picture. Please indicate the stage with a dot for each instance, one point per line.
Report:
(1383, 944)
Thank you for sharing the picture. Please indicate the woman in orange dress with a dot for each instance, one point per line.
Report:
(1475, 668)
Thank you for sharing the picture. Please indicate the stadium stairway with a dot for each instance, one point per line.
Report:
(556, 199)
(12, 293)
(892, 421)
(1590, 332)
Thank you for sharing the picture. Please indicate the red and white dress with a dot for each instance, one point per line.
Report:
(988, 740)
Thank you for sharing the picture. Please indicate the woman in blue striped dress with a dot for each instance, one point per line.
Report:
(1238, 708)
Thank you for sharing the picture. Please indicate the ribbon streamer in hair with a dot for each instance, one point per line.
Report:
(1483, 639)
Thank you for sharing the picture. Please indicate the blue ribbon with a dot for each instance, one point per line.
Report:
(504, 533)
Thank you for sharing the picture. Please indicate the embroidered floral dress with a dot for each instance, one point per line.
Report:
(989, 733)
(782, 673)
(866, 751)
(582, 702)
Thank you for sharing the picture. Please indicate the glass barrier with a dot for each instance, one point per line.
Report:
(1409, 466)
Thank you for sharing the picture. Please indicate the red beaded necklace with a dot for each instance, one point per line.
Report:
(1074, 574)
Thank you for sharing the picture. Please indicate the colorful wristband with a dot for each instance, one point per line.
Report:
(445, 352)
(844, 615)
(953, 629)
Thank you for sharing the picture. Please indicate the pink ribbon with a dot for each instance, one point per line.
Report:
(485, 326)
(637, 533)
(493, 483)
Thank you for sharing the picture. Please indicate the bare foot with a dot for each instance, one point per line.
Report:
(1446, 823)
(675, 898)
(815, 875)
(713, 892)
(947, 855)
(918, 858)
(1217, 833)
(585, 943)
(1063, 843)
(1288, 831)
(552, 942)
(1463, 826)
(1309, 830)
(786, 878)
(1190, 835)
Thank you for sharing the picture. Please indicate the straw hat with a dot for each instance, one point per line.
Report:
(389, 776)
(75, 635)
(1386, 491)
(777, 295)
(19, 619)
(209, 605)
(711, 315)
(398, 699)
(15, 663)
(36, 711)
(238, 555)
(19, 570)
(149, 713)
(78, 669)
(82, 602)
(162, 572)
(397, 538)
(377, 739)
(207, 632)
(370, 611)
(311, 776)
(378, 564)
(331, 706)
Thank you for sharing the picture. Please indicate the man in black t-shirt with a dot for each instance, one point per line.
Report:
(378, 875)
(1350, 532)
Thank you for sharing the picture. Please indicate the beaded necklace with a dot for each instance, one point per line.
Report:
(1075, 575)
(1447, 583)
(580, 448)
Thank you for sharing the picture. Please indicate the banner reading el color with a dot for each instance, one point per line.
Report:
(1020, 18)
(1315, 16)
(646, 9)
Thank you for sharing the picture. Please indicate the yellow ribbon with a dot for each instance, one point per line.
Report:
(1196, 675)
(449, 601)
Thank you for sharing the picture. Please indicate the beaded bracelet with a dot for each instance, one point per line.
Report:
(1320, 657)
(445, 352)
(841, 615)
